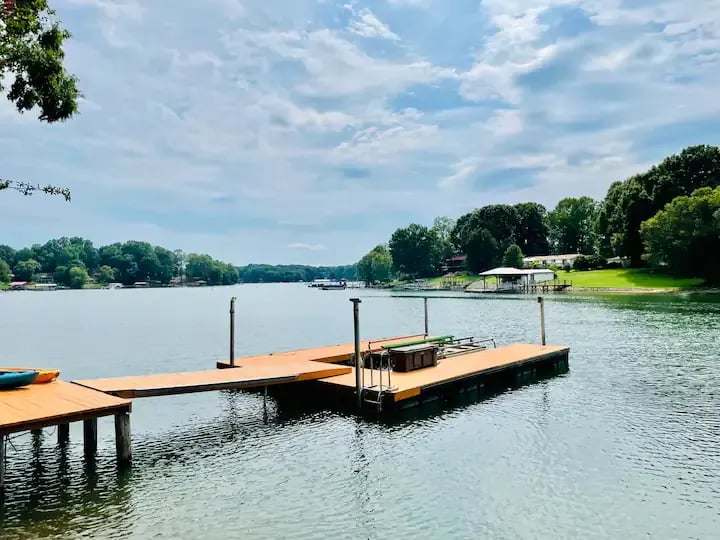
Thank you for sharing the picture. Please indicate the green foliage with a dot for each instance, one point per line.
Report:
(31, 56)
(105, 275)
(500, 220)
(416, 250)
(628, 204)
(25, 270)
(589, 262)
(293, 273)
(375, 266)
(73, 260)
(4, 271)
(513, 257)
(572, 225)
(482, 251)
(443, 227)
(214, 272)
(77, 277)
(7, 254)
(685, 236)
(531, 229)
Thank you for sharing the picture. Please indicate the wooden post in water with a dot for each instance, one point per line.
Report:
(63, 434)
(541, 301)
(426, 316)
(358, 364)
(122, 438)
(232, 332)
(90, 436)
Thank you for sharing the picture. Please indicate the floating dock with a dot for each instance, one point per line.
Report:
(378, 382)
(412, 386)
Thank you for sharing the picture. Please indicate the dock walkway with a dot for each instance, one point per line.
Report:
(407, 385)
(243, 377)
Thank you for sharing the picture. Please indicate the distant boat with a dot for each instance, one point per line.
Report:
(335, 286)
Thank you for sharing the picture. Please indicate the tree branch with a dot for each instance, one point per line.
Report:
(27, 189)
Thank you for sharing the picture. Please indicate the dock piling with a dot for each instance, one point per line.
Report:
(427, 333)
(232, 331)
(122, 437)
(358, 363)
(90, 436)
(63, 434)
(541, 301)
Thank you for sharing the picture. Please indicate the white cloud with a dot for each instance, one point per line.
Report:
(309, 247)
(366, 24)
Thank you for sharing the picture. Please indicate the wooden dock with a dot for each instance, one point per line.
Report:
(412, 384)
(243, 377)
(329, 354)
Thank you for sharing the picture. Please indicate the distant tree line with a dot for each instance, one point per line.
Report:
(291, 273)
(73, 262)
(667, 218)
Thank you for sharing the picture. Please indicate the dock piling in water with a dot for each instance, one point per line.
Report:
(232, 331)
(63, 434)
(358, 362)
(90, 436)
(122, 437)
(425, 299)
(541, 301)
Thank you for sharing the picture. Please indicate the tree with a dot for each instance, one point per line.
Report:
(513, 257)
(500, 220)
(77, 277)
(375, 266)
(531, 231)
(482, 251)
(31, 56)
(685, 236)
(628, 204)
(7, 254)
(25, 270)
(442, 227)
(105, 275)
(60, 275)
(415, 250)
(572, 225)
(4, 272)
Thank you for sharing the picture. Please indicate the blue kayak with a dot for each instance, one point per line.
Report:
(16, 379)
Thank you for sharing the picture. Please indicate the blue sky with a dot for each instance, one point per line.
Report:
(307, 131)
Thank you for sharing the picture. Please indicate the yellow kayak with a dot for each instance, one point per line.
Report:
(44, 375)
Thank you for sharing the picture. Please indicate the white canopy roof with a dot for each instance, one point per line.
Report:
(514, 272)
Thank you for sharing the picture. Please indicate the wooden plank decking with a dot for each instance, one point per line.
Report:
(40, 405)
(329, 354)
(413, 383)
(251, 376)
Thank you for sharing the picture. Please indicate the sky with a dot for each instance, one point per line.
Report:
(268, 131)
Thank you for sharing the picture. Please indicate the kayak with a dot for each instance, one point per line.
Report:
(16, 379)
(44, 375)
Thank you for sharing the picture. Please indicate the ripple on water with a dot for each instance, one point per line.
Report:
(623, 446)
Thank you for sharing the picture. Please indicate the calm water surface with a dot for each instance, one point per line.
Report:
(626, 445)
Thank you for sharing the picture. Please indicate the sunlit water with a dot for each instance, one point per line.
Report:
(625, 445)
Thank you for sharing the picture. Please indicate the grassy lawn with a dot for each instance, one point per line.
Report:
(4, 286)
(627, 278)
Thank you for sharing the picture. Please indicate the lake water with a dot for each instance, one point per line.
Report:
(625, 445)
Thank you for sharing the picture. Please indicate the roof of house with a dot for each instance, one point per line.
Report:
(567, 256)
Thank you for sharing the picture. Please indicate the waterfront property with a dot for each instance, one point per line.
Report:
(551, 260)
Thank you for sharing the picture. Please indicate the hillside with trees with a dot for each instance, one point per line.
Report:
(665, 219)
(74, 262)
